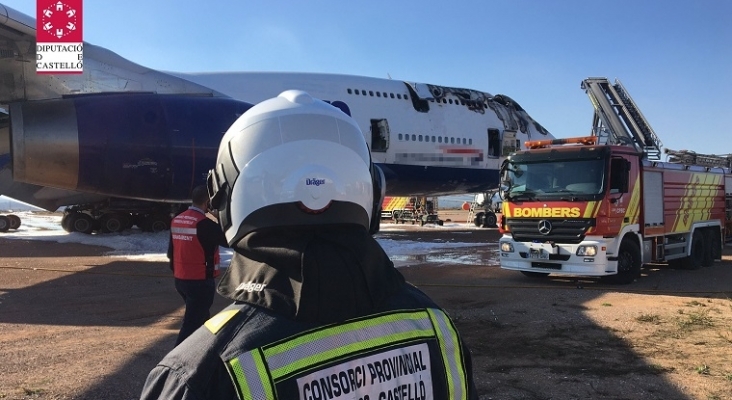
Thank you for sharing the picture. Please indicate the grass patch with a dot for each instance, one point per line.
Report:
(31, 392)
(695, 303)
(651, 318)
(702, 369)
(695, 320)
(607, 305)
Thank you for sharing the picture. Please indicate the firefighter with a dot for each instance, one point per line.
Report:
(194, 259)
(319, 311)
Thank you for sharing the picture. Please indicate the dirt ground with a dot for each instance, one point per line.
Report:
(76, 324)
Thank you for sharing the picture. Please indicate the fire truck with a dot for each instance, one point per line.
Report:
(605, 204)
(410, 209)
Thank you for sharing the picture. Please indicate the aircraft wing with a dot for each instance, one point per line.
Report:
(104, 70)
(29, 175)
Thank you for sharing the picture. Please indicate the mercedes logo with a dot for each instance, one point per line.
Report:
(544, 227)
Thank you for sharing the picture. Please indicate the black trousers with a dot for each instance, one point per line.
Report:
(198, 296)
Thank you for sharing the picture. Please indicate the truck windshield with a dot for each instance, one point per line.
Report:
(555, 179)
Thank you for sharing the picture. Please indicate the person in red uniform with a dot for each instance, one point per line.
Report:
(194, 259)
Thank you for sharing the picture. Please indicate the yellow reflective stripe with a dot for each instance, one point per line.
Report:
(349, 326)
(250, 373)
(236, 372)
(451, 355)
(350, 349)
(215, 323)
(357, 335)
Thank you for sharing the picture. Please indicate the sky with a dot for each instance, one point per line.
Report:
(148, 246)
(674, 57)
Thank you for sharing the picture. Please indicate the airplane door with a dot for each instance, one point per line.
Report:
(509, 143)
(379, 135)
(494, 143)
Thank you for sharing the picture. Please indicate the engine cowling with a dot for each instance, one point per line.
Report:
(134, 145)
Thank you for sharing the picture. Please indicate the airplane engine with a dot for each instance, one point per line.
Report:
(134, 145)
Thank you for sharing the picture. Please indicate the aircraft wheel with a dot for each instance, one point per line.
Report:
(4, 223)
(113, 222)
(156, 223)
(14, 221)
(489, 220)
(66, 222)
(81, 222)
(478, 220)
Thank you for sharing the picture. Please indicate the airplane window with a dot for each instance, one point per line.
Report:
(420, 138)
(444, 101)
(470, 141)
(462, 103)
(400, 136)
(433, 139)
(406, 137)
(439, 139)
(399, 96)
(349, 91)
(392, 95)
(378, 94)
(452, 140)
(450, 101)
(363, 92)
(406, 97)
(414, 137)
(464, 142)
(371, 93)
(356, 91)
(385, 94)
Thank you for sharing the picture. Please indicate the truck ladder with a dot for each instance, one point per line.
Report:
(616, 111)
(688, 157)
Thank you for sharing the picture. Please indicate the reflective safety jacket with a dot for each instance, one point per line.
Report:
(190, 259)
(409, 354)
(406, 351)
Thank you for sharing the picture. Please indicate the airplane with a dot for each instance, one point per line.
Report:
(120, 140)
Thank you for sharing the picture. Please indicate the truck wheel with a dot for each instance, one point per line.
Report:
(698, 248)
(4, 223)
(489, 220)
(532, 274)
(709, 244)
(14, 221)
(629, 263)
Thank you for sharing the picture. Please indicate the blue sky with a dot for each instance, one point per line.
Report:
(674, 57)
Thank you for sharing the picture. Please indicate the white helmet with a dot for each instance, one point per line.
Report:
(290, 161)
